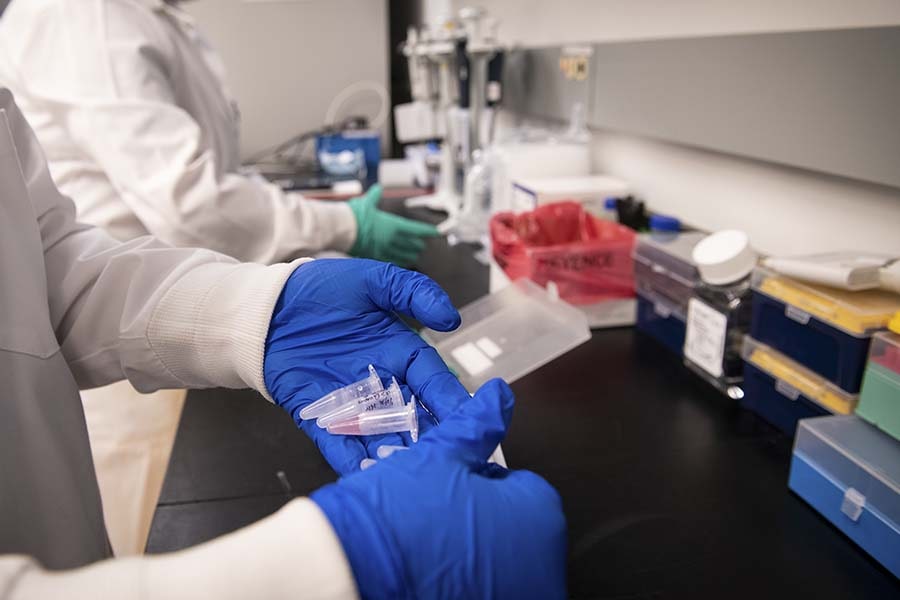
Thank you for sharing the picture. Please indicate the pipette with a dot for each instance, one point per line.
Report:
(392, 397)
(345, 395)
(389, 420)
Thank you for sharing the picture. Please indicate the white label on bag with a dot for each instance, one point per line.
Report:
(471, 359)
(704, 343)
(488, 346)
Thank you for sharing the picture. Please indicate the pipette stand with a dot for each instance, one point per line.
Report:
(445, 199)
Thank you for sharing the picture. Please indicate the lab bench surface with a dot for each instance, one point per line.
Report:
(670, 490)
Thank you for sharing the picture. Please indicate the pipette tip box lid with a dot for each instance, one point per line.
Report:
(849, 472)
(793, 375)
(879, 400)
(859, 313)
(664, 269)
(783, 392)
(825, 329)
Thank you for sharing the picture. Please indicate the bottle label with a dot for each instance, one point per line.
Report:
(704, 343)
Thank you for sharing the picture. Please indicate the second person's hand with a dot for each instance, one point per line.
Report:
(383, 236)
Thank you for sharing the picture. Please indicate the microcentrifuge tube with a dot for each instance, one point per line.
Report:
(392, 397)
(340, 397)
(390, 420)
(366, 463)
(388, 449)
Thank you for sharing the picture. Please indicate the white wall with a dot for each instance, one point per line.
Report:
(287, 59)
(785, 210)
(549, 22)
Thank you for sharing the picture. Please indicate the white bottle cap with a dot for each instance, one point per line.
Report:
(724, 257)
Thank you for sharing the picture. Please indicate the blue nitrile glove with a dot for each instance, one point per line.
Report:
(437, 521)
(335, 317)
(383, 236)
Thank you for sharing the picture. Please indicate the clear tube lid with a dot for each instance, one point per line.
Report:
(385, 399)
(349, 394)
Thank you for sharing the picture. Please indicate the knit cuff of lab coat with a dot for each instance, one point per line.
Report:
(209, 330)
(291, 554)
(337, 218)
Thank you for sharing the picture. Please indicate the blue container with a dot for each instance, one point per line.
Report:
(776, 401)
(661, 322)
(665, 223)
(369, 142)
(831, 352)
(849, 472)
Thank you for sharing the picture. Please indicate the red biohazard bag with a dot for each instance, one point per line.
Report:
(588, 258)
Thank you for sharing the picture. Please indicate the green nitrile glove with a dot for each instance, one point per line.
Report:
(384, 236)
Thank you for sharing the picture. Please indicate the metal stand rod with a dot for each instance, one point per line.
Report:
(477, 84)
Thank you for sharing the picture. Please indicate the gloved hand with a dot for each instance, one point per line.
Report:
(437, 521)
(335, 317)
(384, 236)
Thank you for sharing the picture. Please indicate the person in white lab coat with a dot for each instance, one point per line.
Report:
(81, 309)
(130, 104)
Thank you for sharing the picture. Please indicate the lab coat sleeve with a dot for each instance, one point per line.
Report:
(160, 316)
(107, 72)
(291, 554)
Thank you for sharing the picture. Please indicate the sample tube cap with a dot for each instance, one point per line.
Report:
(388, 449)
(342, 396)
(384, 399)
(413, 417)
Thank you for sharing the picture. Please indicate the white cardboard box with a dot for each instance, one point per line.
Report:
(591, 190)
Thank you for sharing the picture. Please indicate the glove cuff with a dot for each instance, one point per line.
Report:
(371, 550)
(362, 216)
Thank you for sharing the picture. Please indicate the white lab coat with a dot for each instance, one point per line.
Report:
(131, 107)
(80, 309)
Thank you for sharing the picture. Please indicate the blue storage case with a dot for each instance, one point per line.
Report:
(824, 329)
(776, 402)
(849, 471)
(368, 142)
(661, 322)
(664, 278)
(783, 392)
